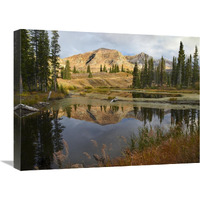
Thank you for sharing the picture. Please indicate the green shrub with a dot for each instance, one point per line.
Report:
(83, 94)
(173, 99)
(110, 98)
(63, 90)
(71, 87)
(88, 87)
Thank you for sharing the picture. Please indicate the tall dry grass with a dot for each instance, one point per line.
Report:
(157, 147)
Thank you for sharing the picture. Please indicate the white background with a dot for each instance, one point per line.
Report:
(169, 17)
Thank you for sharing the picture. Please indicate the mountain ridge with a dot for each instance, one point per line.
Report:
(108, 57)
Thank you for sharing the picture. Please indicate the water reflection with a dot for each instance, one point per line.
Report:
(43, 133)
(152, 95)
(41, 137)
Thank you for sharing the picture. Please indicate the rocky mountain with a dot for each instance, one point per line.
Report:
(96, 58)
(108, 57)
(140, 59)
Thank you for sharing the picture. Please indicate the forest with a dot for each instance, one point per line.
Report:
(39, 60)
(40, 66)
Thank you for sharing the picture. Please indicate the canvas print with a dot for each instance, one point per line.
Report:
(87, 99)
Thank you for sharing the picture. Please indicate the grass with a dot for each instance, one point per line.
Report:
(110, 98)
(171, 90)
(172, 99)
(158, 147)
(88, 87)
(83, 94)
(34, 98)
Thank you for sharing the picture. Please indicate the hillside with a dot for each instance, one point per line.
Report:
(100, 79)
(96, 58)
(140, 59)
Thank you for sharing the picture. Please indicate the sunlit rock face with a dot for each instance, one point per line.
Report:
(108, 57)
(102, 56)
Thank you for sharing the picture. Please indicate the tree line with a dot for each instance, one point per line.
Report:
(39, 60)
(184, 74)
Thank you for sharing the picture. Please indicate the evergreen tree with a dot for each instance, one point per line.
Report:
(88, 69)
(168, 76)
(62, 72)
(101, 68)
(181, 65)
(145, 73)
(136, 76)
(34, 42)
(122, 68)
(113, 69)
(74, 70)
(162, 71)
(55, 49)
(158, 73)
(43, 58)
(195, 73)
(90, 75)
(150, 72)
(188, 74)
(27, 60)
(104, 69)
(174, 72)
(67, 71)
(117, 68)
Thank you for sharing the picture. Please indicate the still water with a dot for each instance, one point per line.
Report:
(71, 133)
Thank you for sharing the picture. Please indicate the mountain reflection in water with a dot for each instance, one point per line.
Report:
(85, 128)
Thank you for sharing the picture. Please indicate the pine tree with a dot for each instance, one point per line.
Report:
(188, 74)
(122, 68)
(150, 72)
(195, 67)
(174, 72)
(145, 73)
(27, 60)
(88, 69)
(162, 71)
(43, 58)
(136, 76)
(67, 72)
(62, 72)
(101, 68)
(168, 76)
(55, 49)
(104, 69)
(34, 43)
(117, 68)
(90, 75)
(74, 70)
(158, 73)
(113, 69)
(181, 66)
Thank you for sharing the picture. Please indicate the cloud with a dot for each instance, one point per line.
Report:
(128, 44)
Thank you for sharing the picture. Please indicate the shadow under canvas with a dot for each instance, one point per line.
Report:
(8, 162)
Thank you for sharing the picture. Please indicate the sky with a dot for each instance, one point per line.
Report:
(128, 44)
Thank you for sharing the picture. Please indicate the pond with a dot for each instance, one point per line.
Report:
(71, 131)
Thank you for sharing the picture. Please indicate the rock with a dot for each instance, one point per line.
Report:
(96, 58)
